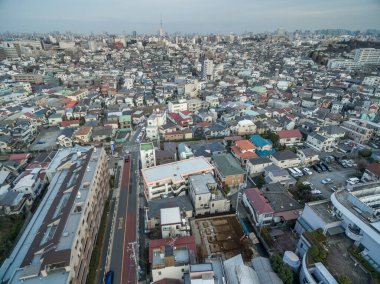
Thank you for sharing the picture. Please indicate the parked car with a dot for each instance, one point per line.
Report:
(334, 188)
(317, 169)
(316, 192)
(307, 171)
(353, 181)
(323, 169)
(327, 181)
(326, 166)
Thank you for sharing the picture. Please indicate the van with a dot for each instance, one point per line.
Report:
(293, 172)
(300, 173)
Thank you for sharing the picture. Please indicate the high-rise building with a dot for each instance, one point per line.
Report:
(57, 243)
(367, 56)
(208, 69)
(134, 35)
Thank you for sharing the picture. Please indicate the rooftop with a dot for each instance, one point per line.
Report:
(146, 146)
(227, 165)
(177, 171)
(170, 216)
(200, 183)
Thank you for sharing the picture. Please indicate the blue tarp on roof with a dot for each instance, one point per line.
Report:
(263, 153)
(259, 141)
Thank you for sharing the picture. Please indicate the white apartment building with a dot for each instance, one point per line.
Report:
(147, 155)
(208, 69)
(372, 81)
(177, 106)
(57, 243)
(172, 177)
(205, 195)
(357, 131)
(156, 119)
(172, 223)
(370, 56)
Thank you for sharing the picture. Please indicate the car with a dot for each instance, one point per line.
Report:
(316, 192)
(327, 181)
(326, 166)
(323, 169)
(126, 159)
(108, 279)
(353, 181)
(334, 188)
(307, 171)
(317, 169)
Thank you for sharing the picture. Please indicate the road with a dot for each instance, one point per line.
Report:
(121, 259)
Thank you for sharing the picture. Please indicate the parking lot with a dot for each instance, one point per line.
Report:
(338, 174)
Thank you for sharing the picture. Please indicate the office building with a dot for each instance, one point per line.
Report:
(367, 56)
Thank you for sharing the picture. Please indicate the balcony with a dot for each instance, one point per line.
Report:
(354, 233)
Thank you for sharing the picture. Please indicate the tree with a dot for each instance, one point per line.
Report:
(260, 181)
(286, 274)
(343, 279)
(365, 153)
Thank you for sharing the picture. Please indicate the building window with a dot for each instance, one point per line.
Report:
(159, 272)
(199, 198)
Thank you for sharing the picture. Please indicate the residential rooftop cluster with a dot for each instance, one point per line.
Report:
(242, 146)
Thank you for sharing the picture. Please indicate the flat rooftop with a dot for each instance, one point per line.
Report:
(323, 209)
(176, 171)
(200, 182)
(146, 146)
(170, 216)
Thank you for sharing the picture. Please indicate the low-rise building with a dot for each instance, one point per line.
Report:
(171, 258)
(289, 137)
(308, 156)
(285, 159)
(319, 142)
(172, 177)
(228, 171)
(173, 224)
(147, 155)
(205, 195)
(257, 165)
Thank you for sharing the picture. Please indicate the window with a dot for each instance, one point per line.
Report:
(199, 198)
(159, 272)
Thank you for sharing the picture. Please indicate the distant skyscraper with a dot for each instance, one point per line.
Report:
(134, 35)
(207, 69)
(162, 33)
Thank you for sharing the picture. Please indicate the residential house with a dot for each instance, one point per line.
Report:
(371, 173)
(290, 137)
(275, 174)
(308, 156)
(83, 134)
(285, 159)
(319, 142)
(228, 171)
(257, 165)
(244, 150)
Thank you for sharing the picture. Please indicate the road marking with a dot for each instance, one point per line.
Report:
(120, 223)
(125, 232)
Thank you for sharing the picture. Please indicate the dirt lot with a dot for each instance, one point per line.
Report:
(221, 236)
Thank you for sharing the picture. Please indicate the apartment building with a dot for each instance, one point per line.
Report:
(172, 223)
(29, 78)
(320, 143)
(57, 243)
(172, 178)
(177, 106)
(367, 56)
(357, 131)
(147, 155)
(205, 195)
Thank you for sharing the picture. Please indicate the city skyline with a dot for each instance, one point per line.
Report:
(186, 16)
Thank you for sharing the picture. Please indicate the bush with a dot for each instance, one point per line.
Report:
(343, 279)
(283, 271)
(260, 181)
(365, 153)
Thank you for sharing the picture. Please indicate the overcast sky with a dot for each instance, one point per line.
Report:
(198, 16)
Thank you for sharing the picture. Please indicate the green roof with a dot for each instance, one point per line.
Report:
(227, 165)
(146, 146)
(126, 117)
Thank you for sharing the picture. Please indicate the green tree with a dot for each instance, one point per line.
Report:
(260, 181)
(286, 274)
(343, 279)
(365, 153)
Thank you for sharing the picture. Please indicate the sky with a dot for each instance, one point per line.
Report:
(186, 16)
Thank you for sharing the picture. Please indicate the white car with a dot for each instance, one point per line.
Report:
(353, 181)
(307, 171)
(316, 192)
(327, 181)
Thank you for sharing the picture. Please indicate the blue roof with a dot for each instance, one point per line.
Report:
(263, 153)
(259, 141)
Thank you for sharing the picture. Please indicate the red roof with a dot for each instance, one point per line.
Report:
(69, 122)
(71, 104)
(374, 168)
(294, 133)
(245, 145)
(179, 242)
(258, 201)
(19, 157)
(246, 155)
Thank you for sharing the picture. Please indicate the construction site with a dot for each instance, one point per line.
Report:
(221, 236)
